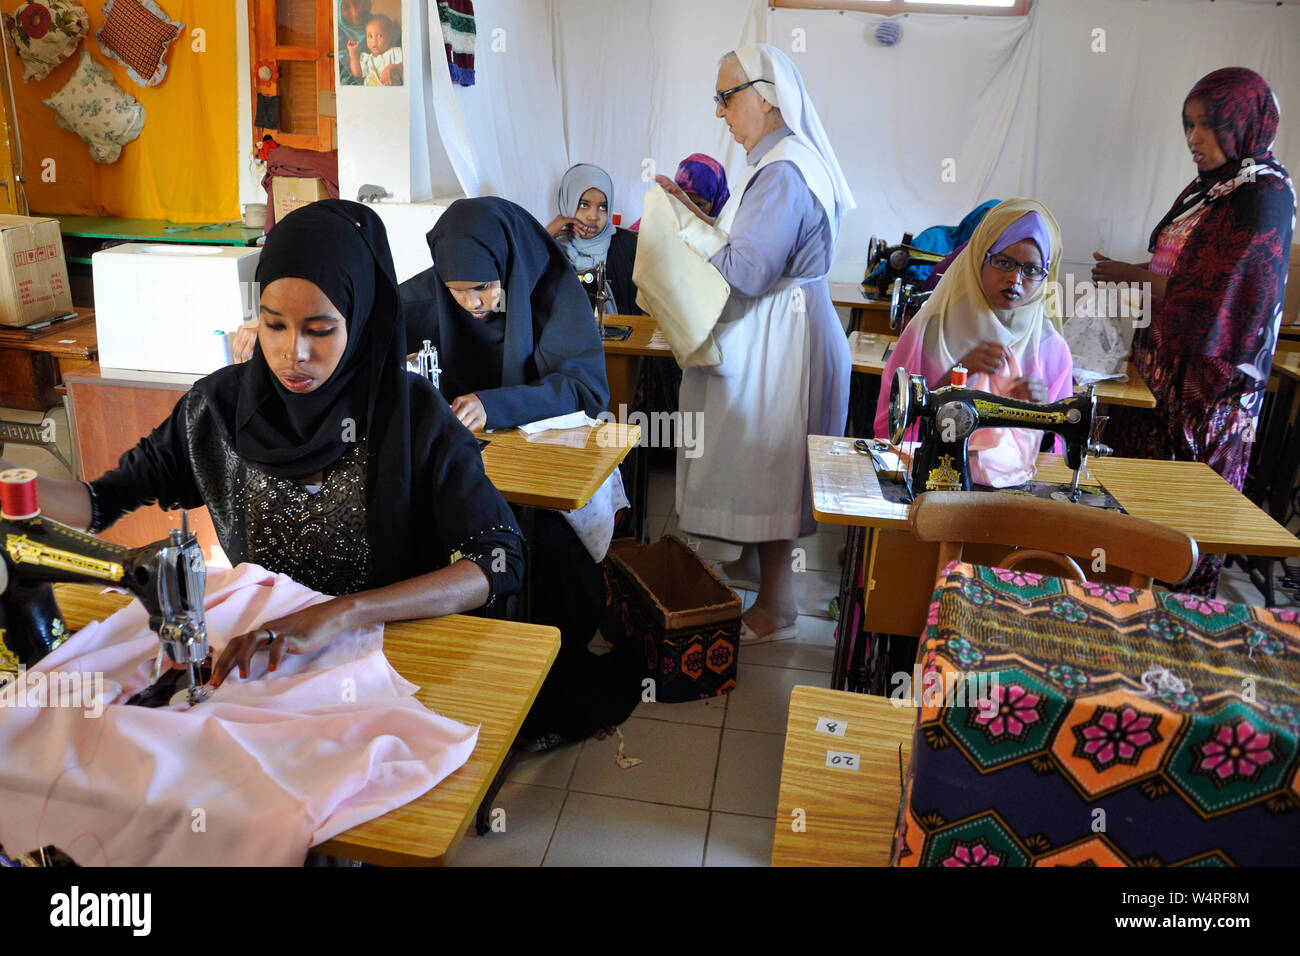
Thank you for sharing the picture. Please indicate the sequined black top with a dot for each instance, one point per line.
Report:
(319, 539)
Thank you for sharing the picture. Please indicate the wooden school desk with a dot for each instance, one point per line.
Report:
(865, 314)
(900, 571)
(546, 473)
(848, 815)
(871, 351)
(627, 367)
(473, 670)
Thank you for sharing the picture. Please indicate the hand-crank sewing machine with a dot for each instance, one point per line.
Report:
(948, 416)
(167, 576)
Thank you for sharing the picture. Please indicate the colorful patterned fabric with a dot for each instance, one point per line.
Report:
(458, 35)
(137, 34)
(46, 34)
(1207, 352)
(1101, 725)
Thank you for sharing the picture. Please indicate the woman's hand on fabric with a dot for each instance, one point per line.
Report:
(241, 349)
(1029, 390)
(470, 411)
(987, 357)
(299, 633)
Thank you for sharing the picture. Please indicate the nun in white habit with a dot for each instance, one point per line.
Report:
(785, 360)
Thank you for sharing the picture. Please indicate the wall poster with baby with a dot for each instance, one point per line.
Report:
(369, 48)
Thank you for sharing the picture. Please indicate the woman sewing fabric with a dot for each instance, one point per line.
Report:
(785, 362)
(517, 344)
(588, 236)
(991, 313)
(322, 458)
(1217, 273)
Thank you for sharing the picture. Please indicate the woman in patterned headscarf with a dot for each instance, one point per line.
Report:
(1217, 273)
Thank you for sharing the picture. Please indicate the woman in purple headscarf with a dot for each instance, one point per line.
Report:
(1217, 274)
(704, 181)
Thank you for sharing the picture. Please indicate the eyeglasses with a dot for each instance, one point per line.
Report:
(721, 97)
(1031, 271)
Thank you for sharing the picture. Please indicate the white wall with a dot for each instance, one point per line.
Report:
(250, 177)
(1022, 106)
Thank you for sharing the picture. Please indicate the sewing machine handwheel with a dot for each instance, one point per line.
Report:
(900, 399)
(875, 252)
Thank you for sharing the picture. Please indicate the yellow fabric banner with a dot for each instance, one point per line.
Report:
(182, 168)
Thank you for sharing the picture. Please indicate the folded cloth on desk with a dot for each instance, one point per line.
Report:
(256, 775)
(1100, 334)
(571, 420)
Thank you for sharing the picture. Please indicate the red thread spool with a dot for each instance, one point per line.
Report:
(18, 500)
(959, 376)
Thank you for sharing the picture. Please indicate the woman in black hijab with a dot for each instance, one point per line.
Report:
(517, 343)
(322, 458)
(515, 335)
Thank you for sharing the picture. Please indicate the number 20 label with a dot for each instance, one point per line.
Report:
(840, 760)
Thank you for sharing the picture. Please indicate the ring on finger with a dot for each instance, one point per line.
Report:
(270, 637)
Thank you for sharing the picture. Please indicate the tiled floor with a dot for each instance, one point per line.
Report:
(705, 792)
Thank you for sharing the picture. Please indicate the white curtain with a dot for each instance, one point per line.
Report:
(1007, 106)
(637, 81)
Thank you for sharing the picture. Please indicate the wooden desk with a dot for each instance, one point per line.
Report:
(560, 476)
(866, 314)
(469, 669)
(871, 350)
(848, 816)
(627, 367)
(898, 570)
(1288, 364)
(33, 361)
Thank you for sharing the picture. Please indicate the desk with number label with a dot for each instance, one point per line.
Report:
(477, 671)
(840, 778)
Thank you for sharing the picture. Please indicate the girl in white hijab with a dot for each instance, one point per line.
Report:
(996, 312)
(585, 230)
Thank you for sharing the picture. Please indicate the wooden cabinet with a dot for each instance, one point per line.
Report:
(298, 37)
(108, 416)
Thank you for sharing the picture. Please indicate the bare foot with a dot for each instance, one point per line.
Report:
(744, 568)
(765, 620)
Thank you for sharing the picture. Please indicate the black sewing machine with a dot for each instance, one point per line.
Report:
(597, 288)
(894, 261)
(167, 576)
(949, 416)
(905, 300)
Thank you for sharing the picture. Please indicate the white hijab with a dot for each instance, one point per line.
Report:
(785, 91)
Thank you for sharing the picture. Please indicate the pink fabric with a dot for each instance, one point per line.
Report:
(256, 775)
(1012, 462)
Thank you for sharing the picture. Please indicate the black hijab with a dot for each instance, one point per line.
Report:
(550, 338)
(342, 247)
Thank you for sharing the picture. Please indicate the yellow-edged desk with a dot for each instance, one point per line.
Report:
(473, 670)
(627, 366)
(871, 350)
(556, 469)
(899, 571)
(830, 815)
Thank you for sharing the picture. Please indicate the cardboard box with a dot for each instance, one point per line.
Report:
(290, 192)
(33, 273)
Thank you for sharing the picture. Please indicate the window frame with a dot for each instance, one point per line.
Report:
(893, 8)
(263, 45)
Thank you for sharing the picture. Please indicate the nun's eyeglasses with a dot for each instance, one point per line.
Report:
(1031, 271)
(721, 97)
